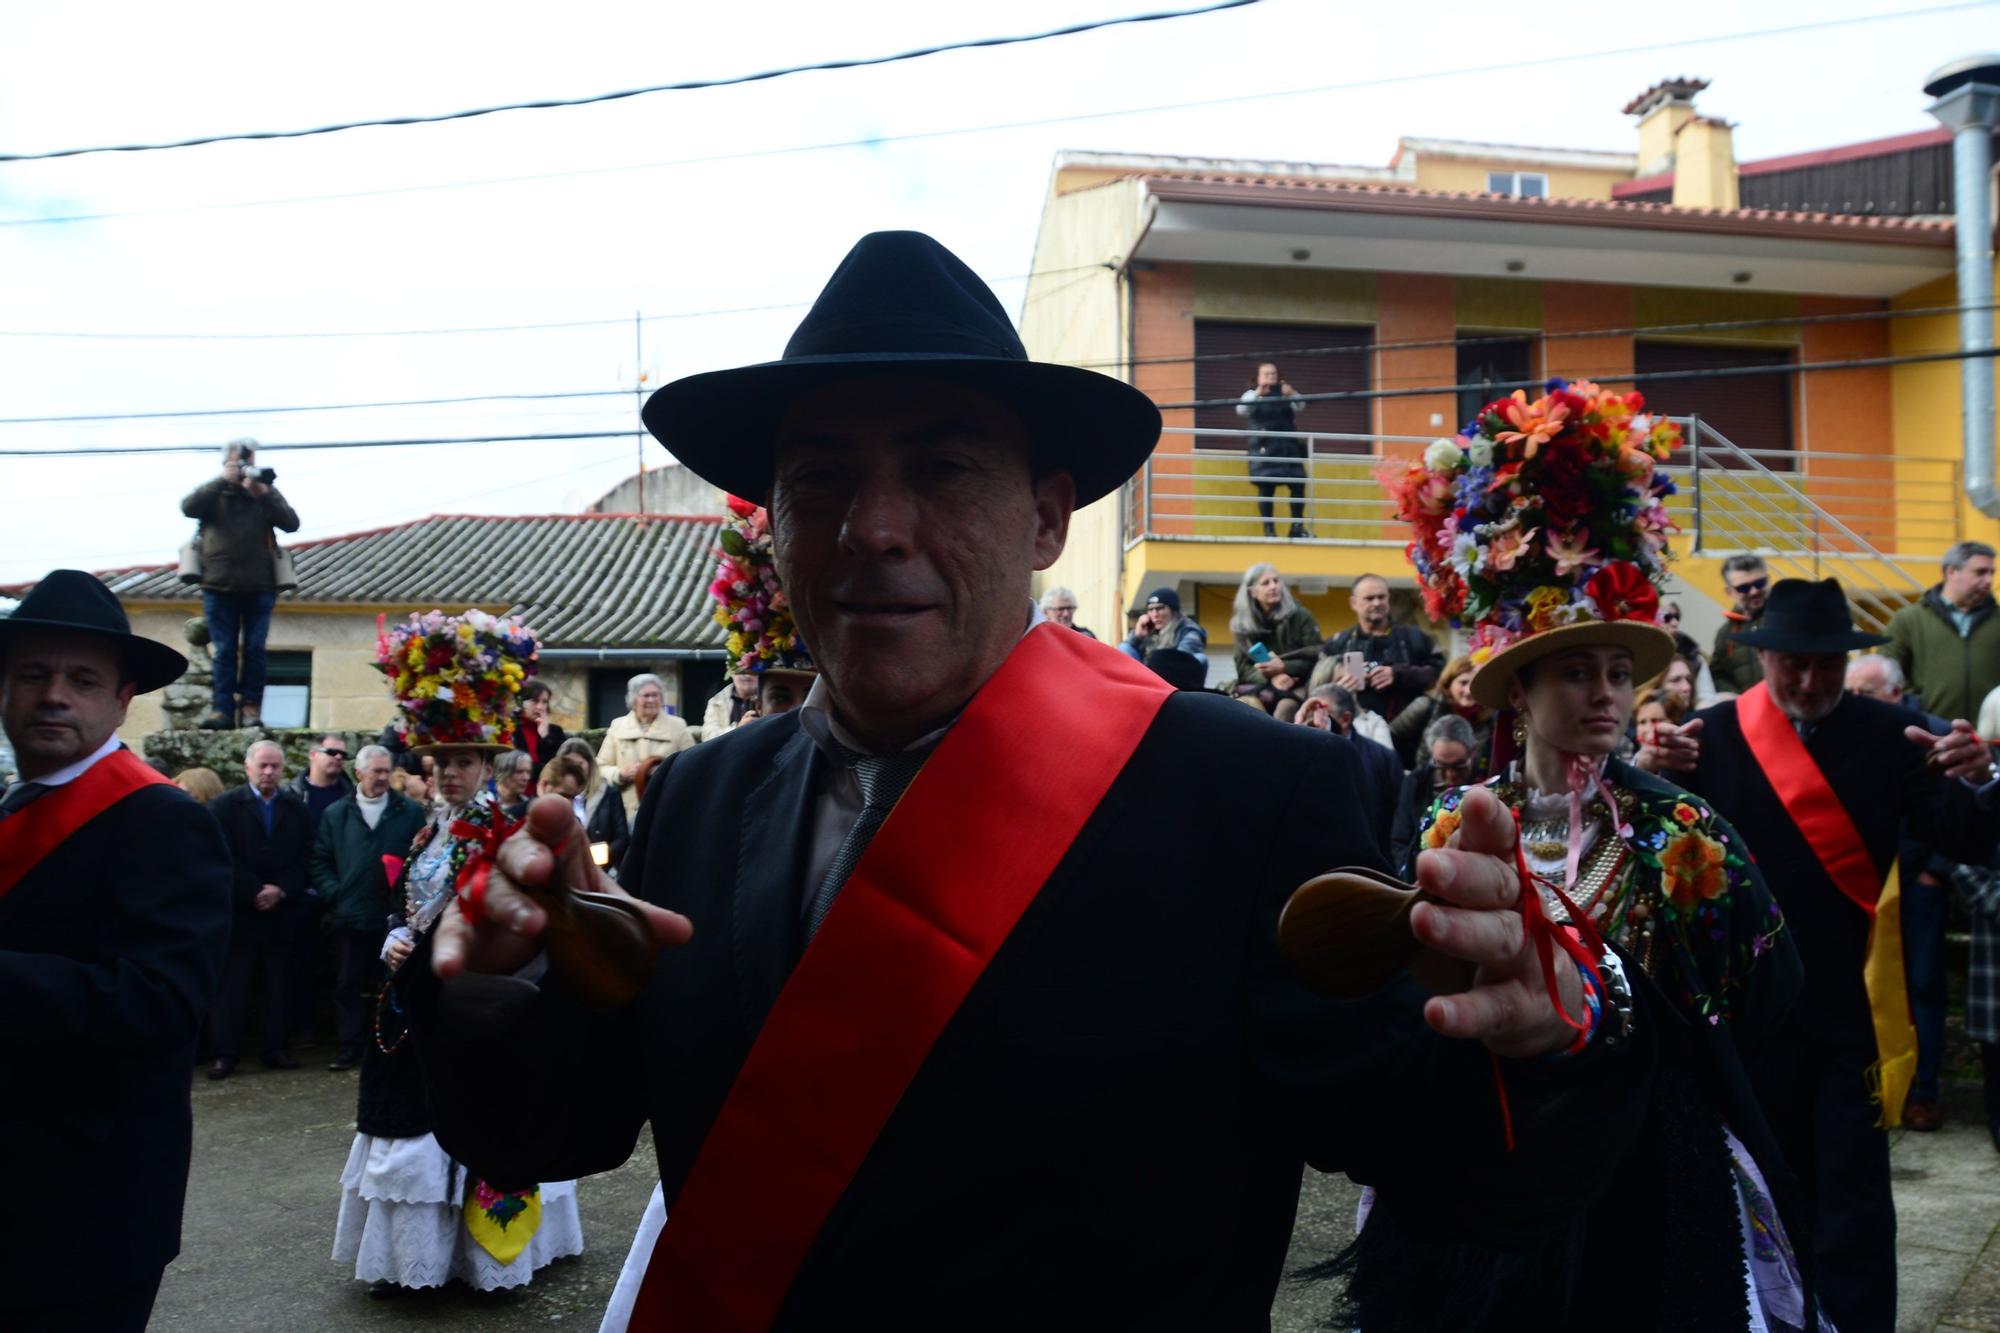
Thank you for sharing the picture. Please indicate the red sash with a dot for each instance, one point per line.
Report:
(1808, 798)
(965, 851)
(32, 833)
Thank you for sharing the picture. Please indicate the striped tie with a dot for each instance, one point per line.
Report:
(883, 779)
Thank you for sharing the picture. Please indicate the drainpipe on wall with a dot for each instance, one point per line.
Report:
(1968, 104)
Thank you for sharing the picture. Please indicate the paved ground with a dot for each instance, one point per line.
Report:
(265, 1186)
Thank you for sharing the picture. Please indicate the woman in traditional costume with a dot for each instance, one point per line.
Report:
(1543, 528)
(410, 1216)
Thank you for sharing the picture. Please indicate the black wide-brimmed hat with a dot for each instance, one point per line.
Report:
(1805, 617)
(901, 304)
(69, 599)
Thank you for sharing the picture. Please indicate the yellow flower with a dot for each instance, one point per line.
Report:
(1543, 603)
(1692, 867)
(1441, 829)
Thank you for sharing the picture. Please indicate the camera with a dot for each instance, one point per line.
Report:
(267, 475)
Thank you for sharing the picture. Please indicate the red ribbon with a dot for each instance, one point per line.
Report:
(477, 871)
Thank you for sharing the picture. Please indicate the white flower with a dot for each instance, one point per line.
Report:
(1443, 456)
(1479, 452)
(1466, 554)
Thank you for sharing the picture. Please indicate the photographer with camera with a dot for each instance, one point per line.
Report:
(1279, 459)
(239, 577)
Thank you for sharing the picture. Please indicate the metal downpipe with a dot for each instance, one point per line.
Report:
(1968, 103)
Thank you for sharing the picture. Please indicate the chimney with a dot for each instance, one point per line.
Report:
(1705, 164)
(1662, 110)
(1968, 103)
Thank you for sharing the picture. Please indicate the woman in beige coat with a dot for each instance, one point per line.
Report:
(649, 729)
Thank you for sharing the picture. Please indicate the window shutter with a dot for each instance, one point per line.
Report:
(1335, 362)
(1753, 411)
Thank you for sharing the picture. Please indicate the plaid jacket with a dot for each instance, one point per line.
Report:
(1981, 887)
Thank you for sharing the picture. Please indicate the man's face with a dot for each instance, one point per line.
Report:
(1062, 613)
(1267, 377)
(264, 766)
(1371, 604)
(1451, 764)
(60, 698)
(1157, 613)
(326, 760)
(1971, 583)
(1805, 686)
(1866, 678)
(1749, 587)
(373, 776)
(906, 525)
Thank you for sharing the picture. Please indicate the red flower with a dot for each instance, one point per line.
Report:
(740, 507)
(1623, 593)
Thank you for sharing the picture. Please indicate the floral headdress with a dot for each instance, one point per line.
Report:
(749, 602)
(1541, 516)
(457, 679)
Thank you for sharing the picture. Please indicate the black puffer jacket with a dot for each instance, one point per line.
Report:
(238, 551)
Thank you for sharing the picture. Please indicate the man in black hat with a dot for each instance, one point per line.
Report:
(1823, 784)
(114, 915)
(928, 1035)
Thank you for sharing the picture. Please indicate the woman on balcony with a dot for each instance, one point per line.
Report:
(1277, 642)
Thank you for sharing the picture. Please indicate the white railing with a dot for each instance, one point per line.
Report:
(1809, 514)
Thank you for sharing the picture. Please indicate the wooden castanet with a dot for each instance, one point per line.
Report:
(600, 948)
(1346, 934)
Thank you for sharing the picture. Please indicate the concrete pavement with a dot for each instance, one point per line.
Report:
(265, 1186)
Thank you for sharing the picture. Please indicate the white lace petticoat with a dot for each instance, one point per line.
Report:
(400, 1220)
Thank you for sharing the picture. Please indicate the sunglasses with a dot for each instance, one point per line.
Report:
(1750, 585)
(1672, 618)
(337, 754)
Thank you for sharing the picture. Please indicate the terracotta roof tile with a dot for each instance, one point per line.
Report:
(579, 580)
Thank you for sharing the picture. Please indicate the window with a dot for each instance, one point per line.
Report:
(288, 688)
(1312, 358)
(1751, 411)
(1521, 184)
(1490, 360)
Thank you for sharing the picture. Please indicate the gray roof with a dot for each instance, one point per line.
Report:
(577, 580)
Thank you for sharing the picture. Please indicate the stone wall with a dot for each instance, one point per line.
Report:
(223, 751)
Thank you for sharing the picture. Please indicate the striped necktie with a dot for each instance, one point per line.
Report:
(883, 779)
(18, 796)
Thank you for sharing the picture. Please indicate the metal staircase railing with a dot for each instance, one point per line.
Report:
(1741, 505)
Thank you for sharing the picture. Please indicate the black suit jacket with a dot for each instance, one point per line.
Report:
(1881, 780)
(1111, 1129)
(1381, 785)
(110, 951)
(280, 857)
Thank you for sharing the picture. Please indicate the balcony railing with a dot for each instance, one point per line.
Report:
(1808, 513)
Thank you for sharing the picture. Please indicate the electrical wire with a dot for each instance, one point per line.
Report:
(879, 140)
(1703, 326)
(1500, 388)
(624, 321)
(109, 450)
(688, 85)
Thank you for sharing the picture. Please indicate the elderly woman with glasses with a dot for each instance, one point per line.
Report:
(648, 730)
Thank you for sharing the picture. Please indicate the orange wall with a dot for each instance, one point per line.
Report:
(1848, 412)
(1163, 348)
(1577, 306)
(1413, 307)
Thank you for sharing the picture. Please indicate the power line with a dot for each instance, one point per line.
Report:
(315, 407)
(1705, 326)
(1036, 122)
(108, 450)
(689, 85)
(1499, 388)
(623, 322)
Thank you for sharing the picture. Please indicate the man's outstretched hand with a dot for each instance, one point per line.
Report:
(1508, 1007)
(549, 851)
(1959, 753)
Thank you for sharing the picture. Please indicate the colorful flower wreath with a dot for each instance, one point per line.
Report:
(1541, 513)
(748, 601)
(456, 678)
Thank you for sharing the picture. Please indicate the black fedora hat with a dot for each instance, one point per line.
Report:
(1801, 616)
(69, 599)
(901, 304)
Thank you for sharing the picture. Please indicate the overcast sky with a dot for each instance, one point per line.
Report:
(622, 221)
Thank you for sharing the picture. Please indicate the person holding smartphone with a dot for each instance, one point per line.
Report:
(1276, 643)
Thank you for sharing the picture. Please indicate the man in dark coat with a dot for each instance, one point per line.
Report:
(1814, 1079)
(1097, 1113)
(270, 841)
(111, 944)
(1399, 662)
(239, 577)
(348, 872)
